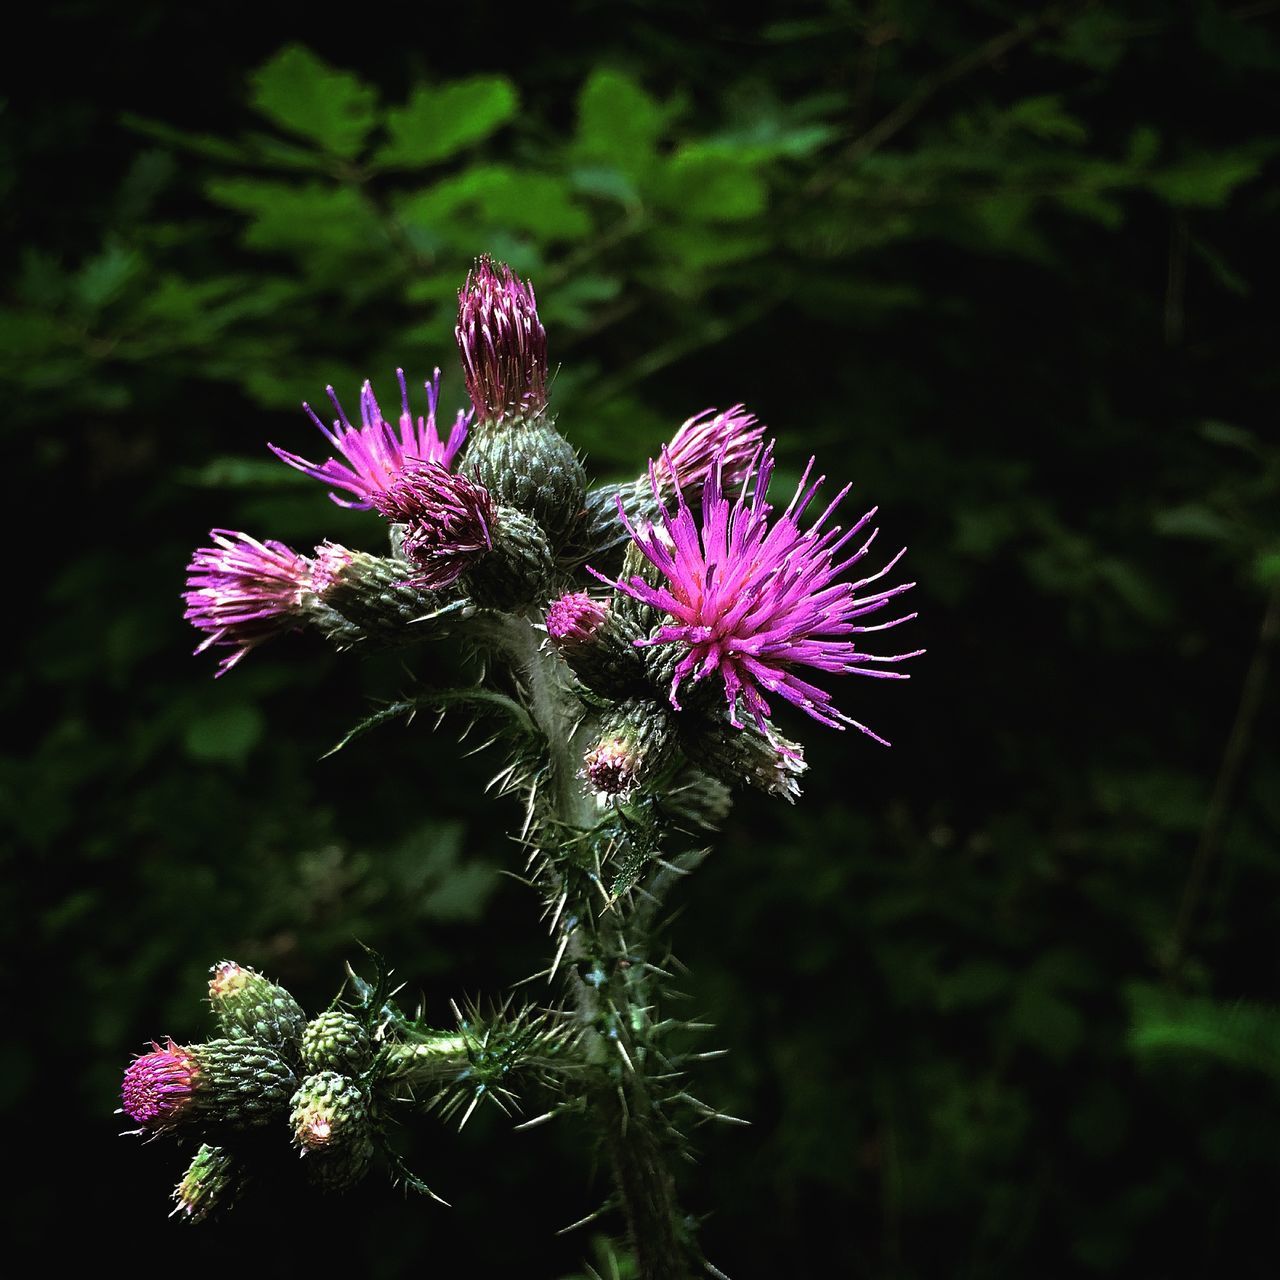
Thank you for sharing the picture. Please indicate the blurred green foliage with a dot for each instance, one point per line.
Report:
(1007, 268)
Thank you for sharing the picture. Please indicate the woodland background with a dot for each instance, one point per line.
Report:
(995, 998)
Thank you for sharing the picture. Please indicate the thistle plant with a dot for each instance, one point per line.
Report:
(637, 639)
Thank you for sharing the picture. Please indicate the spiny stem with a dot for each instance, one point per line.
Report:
(618, 1094)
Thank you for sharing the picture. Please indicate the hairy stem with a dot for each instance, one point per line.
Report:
(605, 977)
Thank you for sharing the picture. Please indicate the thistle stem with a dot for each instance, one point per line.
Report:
(612, 1010)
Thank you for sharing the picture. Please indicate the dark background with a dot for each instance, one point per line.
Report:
(1010, 270)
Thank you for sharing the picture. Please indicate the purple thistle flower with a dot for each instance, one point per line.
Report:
(159, 1086)
(450, 521)
(731, 438)
(375, 452)
(574, 619)
(752, 597)
(242, 592)
(610, 767)
(502, 343)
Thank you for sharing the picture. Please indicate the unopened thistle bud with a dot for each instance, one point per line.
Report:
(730, 440)
(519, 568)
(696, 799)
(247, 1004)
(597, 642)
(232, 1083)
(373, 596)
(336, 1041)
(766, 761)
(331, 1124)
(514, 451)
(637, 741)
(213, 1182)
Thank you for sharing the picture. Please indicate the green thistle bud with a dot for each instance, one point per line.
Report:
(335, 1041)
(637, 742)
(519, 567)
(529, 465)
(331, 1124)
(770, 763)
(371, 597)
(241, 1083)
(695, 799)
(245, 1003)
(213, 1182)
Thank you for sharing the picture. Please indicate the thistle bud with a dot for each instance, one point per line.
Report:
(769, 762)
(597, 642)
(519, 567)
(636, 742)
(235, 1083)
(331, 1123)
(159, 1087)
(696, 799)
(335, 1041)
(213, 1182)
(247, 1004)
(372, 595)
(514, 451)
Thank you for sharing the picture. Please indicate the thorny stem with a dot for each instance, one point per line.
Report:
(605, 978)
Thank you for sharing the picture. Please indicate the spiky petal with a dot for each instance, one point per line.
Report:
(449, 522)
(752, 597)
(731, 439)
(502, 343)
(374, 454)
(243, 592)
(159, 1087)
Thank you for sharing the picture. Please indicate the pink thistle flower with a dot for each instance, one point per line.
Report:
(610, 767)
(731, 438)
(502, 343)
(375, 452)
(574, 619)
(450, 521)
(243, 592)
(159, 1087)
(752, 597)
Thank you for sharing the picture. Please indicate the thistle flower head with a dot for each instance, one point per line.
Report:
(159, 1086)
(730, 439)
(751, 596)
(610, 767)
(331, 559)
(242, 592)
(502, 343)
(375, 453)
(449, 521)
(574, 619)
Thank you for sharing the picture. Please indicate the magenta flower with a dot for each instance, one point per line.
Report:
(753, 597)
(573, 619)
(376, 453)
(731, 438)
(242, 592)
(449, 521)
(159, 1086)
(502, 343)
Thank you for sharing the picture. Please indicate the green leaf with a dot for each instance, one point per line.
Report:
(1193, 520)
(618, 122)
(1242, 1035)
(303, 94)
(1206, 181)
(436, 123)
(227, 734)
(466, 210)
(708, 186)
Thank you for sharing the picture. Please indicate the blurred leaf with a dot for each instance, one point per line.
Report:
(618, 122)
(305, 95)
(225, 735)
(439, 121)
